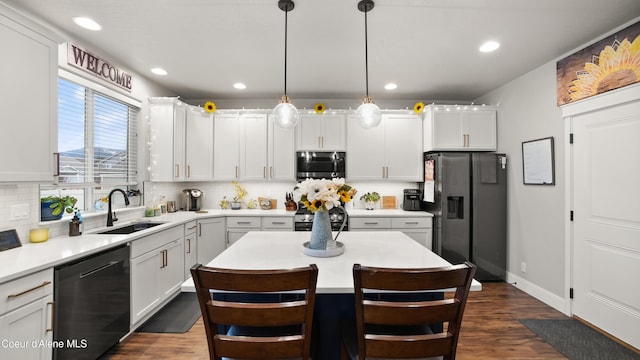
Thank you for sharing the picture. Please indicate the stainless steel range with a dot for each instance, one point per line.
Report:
(303, 220)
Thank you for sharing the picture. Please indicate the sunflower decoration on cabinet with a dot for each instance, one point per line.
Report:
(418, 107)
(210, 107)
(319, 108)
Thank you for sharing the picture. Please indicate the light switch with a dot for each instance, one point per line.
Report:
(19, 211)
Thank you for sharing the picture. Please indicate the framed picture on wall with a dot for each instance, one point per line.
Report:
(538, 162)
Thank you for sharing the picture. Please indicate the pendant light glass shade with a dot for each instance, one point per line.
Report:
(368, 114)
(285, 114)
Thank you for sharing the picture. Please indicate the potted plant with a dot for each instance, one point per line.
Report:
(53, 207)
(238, 200)
(370, 200)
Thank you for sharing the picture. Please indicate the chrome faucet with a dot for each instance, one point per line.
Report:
(110, 215)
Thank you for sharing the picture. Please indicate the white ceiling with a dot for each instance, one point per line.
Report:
(428, 47)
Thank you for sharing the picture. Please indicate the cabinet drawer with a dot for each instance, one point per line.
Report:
(411, 223)
(145, 244)
(244, 222)
(369, 223)
(26, 289)
(277, 223)
(190, 227)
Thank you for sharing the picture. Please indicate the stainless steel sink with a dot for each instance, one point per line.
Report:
(131, 228)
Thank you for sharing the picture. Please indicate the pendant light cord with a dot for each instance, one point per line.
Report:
(366, 54)
(285, 51)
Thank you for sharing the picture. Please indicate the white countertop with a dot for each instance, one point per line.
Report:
(284, 250)
(32, 257)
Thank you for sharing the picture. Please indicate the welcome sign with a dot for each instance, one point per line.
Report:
(89, 63)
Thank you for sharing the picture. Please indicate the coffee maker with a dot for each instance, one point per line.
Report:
(412, 200)
(192, 199)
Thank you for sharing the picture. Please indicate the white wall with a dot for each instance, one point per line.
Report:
(527, 111)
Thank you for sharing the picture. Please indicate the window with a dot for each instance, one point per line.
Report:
(97, 143)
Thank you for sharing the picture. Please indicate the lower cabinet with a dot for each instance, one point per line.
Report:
(417, 228)
(237, 226)
(211, 239)
(277, 223)
(157, 271)
(26, 317)
(190, 247)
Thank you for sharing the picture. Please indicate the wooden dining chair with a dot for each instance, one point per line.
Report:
(269, 313)
(395, 316)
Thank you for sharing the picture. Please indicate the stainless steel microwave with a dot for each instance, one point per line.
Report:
(320, 165)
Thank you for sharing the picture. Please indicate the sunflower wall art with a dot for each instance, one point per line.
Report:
(611, 63)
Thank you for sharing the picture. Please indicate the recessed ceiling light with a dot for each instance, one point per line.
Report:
(159, 71)
(390, 86)
(87, 23)
(489, 46)
(240, 86)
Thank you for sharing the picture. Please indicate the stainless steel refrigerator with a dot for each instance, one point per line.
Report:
(467, 193)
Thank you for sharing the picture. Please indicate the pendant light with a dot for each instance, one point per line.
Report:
(285, 114)
(368, 113)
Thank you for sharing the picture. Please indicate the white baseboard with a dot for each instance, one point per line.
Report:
(553, 300)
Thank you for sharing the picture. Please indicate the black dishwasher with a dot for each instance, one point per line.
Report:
(91, 304)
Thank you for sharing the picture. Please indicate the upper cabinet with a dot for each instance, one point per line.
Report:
(469, 128)
(391, 151)
(181, 141)
(321, 132)
(29, 93)
(281, 152)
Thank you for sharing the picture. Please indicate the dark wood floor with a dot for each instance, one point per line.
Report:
(490, 330)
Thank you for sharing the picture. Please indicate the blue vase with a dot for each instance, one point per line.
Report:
(46, 212)
(320, 231)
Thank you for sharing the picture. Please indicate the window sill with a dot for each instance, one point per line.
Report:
(92, 214)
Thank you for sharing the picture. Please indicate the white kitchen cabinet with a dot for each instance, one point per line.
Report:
(321, 132)
(417, 228)
(190, 247)
(157, 271)
(26, 315)
(167, 123)
(29, 93)
(281, 152)
(237, 226)
(461, 128)
(240, 147)
(391, 151)
(198, 145)
(211, 239)
(277, 223)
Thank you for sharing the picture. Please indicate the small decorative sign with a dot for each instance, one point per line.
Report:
(89, 63)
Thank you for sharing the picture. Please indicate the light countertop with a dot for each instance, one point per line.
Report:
(32, 257)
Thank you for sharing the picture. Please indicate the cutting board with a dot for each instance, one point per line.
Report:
(389, 202)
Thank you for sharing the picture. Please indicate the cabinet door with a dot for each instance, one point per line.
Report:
(309, 132)
(167, 118)
(29, 323)
(179, 141)
(226, 153)
(422, 236)
(403, 147)
(282, 152)
(29, 74)
(481, 130)
(172, 269)
(211, 239)
(145, 280)
(333, 132)
(190, 248)
(253, 147)
(234, 235)
(365, 152)
(447, 130)
(199, 145)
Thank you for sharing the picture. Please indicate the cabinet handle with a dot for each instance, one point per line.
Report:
(177, 170)
(411, 223)
(383, 172)
(188, 171)
(322, 137)
(50, 328)
(166, 258)
(236, 171)
(57, 160)
(227, 237)
(277, 223)
(264, 172)
(243, 222)
(188, 246)
(199, 229)
(13, 296)
(191, 228)
(371, 223)
(320, 146)
(164, 261)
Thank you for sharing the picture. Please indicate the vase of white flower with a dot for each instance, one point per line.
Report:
(321, 230)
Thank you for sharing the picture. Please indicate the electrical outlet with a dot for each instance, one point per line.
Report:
(523, 267)
(19, 211)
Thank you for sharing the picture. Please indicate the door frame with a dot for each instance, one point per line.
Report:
(569, 111)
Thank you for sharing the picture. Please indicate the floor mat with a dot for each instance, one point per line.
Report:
(578, 341)
(178, 316)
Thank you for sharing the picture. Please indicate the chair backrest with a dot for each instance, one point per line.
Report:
(227, 298)
(391, 325)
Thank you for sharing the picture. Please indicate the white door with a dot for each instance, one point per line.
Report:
(606, 227)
